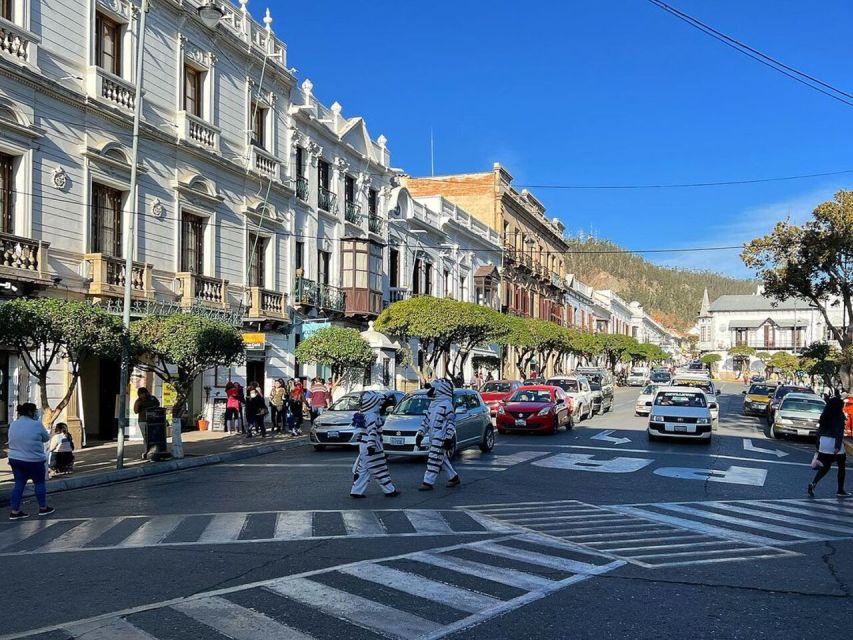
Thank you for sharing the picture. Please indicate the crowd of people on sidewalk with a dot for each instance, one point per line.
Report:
(287, 404)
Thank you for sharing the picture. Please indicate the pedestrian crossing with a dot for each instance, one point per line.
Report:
(127, 532)
(424, 595)
(629, 534)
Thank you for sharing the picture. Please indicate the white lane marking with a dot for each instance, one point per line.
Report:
(519, 579)
(605, 435)
(605, 545)
(362, 523)
(604, 517)
(777, 517)
(294, 524)
(713, 456)
(506, 460)
(661, 534)
(235, 621)
(585, 462)
(284, 465)
(533, 557)
(519, 505)
(79, 535)
(749, 446)
(363, 612)
(732, 475)
(111, 630)
(709, 552)
(788, 508)
(225, 527)
(152, 532)
(427, 521)
(761, 526)
(417, 585)
(668, 546)
(11, 534)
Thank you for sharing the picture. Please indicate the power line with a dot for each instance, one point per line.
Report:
(768, 61)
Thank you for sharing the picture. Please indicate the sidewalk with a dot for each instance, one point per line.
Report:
(96, 465)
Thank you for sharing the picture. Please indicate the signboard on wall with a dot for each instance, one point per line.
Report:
(255, 341)
(310, 328)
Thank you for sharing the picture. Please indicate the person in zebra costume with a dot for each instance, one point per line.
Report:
(370, 462)
(439, 425)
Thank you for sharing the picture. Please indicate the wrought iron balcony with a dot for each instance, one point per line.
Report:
(265, 304)
(352, 212)
(510, 254)
(23, 260)
(108, 277)
(374, 224)
(327, 200)
(331, 298)
(196, 290)
(302, 188)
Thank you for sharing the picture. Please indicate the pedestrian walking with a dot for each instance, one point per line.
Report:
(830, 445)
(277, 411)
(60, 450)
(370, 462)
(256, 410)
(232, 408)
(319, 401)
(28, 459)
(439, 427)
(296, 404)
(241, 407)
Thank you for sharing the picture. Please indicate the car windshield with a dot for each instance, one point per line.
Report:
(565, 385)
(638, 372)
(784, 391)
(699, 384)
(348, 403)
(660, 376)
(496, 387)
(595, 386)
(679, 399)
(803, 404)
(414, 405)
(760, 390)
(649, 390)
(531, 395)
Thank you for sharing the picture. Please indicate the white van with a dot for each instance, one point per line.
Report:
(638, 376)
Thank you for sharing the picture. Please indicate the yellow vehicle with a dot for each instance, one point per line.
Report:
(756, 399)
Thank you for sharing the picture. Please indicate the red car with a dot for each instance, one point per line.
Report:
(496, 391)
(536, 409)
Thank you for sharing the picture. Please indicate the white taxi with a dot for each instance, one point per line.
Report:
(680, 412)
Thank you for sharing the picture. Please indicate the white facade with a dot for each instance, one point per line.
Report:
(621, 313)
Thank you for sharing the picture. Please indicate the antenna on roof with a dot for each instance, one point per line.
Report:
(431, 154)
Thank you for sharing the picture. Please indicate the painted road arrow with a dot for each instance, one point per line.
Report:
(605, 435)
(748, 446)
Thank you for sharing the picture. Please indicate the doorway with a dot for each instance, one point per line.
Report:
(256, 372)
(110, 375)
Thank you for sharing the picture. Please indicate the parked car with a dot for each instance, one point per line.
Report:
(473, 425)
(644, 402)
(660, 377)
(580, 391)
(678, 412)
(536, 409)
(334, 426)
(601, 383)
(495, 391)
(701, 381)
(532, 381)
(637, 377)
(757, 398)
(781, 391)
(797, 415)
(758, 379)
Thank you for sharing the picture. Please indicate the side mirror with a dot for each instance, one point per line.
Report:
(459, 409)
(743, 392)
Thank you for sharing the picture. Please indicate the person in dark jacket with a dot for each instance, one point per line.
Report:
(256, 409)
(830, 444)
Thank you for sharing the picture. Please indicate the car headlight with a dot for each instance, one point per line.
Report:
(501, 411)
(783, 421)
(658, 419)
(544, 412)
(703, 421)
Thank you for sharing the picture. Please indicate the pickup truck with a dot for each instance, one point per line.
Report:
(579, 390)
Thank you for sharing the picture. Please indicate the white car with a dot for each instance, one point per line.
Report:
(637, 377)
(644, 401)
(703, 382)
(680, 412)
(578, 389)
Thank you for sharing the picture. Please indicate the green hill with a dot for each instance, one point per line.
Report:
(671, 296)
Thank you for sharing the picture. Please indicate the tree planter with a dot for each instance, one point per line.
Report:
(203, 425)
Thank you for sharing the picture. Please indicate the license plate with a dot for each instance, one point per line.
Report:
(803, 432)
(520, 423)
(680, 428)
(398, 441)
(334, 434)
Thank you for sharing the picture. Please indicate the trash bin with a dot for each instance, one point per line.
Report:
(154, 432)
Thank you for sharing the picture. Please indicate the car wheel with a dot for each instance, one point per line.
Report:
(773, 433)
(571, 423)
(319, 447)
(488, 442)
(580, 413)
(555, 428)
(590, 412)
(609, 407)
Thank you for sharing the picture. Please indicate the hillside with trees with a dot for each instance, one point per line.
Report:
(671, 296)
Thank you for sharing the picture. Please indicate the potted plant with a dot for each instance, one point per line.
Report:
(202, 422)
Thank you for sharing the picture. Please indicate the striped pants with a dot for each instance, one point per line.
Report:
(437, 461)
(367, 467)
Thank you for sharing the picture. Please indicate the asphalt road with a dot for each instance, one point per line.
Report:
(591, 533)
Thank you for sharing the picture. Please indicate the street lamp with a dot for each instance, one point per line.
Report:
(210, 14)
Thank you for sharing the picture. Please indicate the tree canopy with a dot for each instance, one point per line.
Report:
(339, 348)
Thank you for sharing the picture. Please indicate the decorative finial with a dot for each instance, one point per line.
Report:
(336, 108)
(382, 141)
(243, 4)
(307, 87)
(268, 20)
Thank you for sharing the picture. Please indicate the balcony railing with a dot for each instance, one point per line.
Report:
(108, 277)
(305, 292)
(18, 44)
(396, 294)
(197, 131)
(509, 254)
(352, 212)
(327, 200)
(374, 224)
(196, 290)
(265, 304)
(23, 259)
(302, 188)
(265, 163)
(557, 281)
(109, 88)
(331, 298)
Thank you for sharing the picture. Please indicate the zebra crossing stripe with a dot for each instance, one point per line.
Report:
(532, 557)
(428, 521)
(110, 630)
(152, 532)
(225, 527)
(19, 531)
(362, 523)
(84, 532)
(455, 597)
(235, 621)
(787, 508)
(779, 517)
(512, 577)
(294, 524)
(361, 611)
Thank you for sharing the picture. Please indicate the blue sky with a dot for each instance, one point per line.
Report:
(598, 92)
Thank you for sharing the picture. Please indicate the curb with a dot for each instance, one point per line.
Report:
(156, 468)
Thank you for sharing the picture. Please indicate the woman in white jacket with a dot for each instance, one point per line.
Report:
(370, 462)
(439, 425)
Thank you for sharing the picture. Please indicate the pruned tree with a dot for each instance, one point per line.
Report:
(476, 326)
(530, 338)
(741, 355)
(44, 331)
(784, 364)
(710, 359)
(341, 349)
(812, 262)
